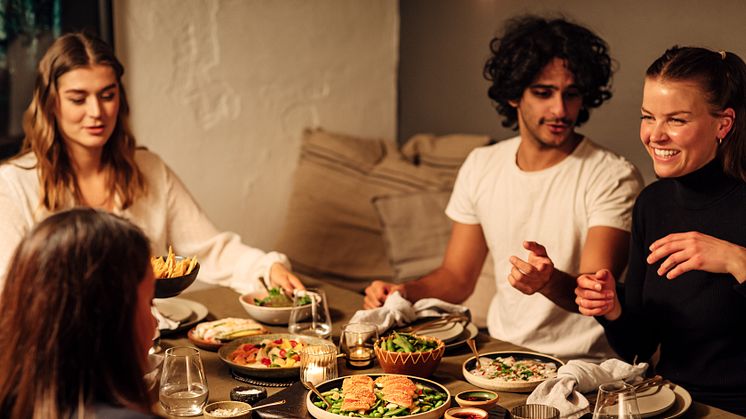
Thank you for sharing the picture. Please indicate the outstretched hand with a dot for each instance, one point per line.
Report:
(596, 295)
(378, 291)
(684, 252)
(531, 276)
(280, 276)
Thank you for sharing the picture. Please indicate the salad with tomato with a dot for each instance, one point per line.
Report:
(278, 353)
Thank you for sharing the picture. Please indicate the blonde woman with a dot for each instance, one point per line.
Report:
(79, 151)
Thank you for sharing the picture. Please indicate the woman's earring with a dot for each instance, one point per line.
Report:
(720, 140)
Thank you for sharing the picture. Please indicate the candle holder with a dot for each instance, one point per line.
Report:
(318, 363)
(356, 342)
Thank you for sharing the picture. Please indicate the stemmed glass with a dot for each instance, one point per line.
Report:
(183, 390)
(616, 400)
(310, 314)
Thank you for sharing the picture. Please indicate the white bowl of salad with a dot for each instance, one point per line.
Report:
(267, 356)
(269, 308)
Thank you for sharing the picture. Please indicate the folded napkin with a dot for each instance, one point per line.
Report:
(164, 323)
(398, 311)
(576, 377)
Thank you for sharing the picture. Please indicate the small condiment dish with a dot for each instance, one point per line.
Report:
(483, 399)
(227, 409)
(466, 413)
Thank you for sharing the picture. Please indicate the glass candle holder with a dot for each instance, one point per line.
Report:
(356, 342)
(318, 363)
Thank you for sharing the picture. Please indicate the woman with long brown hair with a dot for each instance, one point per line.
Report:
(685, 292)
(75, 320)
(79, 151)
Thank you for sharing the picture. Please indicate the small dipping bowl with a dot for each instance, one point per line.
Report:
(227, 409)
(482, 399)
(466, 413)
(248, 394)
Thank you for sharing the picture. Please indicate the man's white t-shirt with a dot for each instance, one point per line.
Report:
(554, 207)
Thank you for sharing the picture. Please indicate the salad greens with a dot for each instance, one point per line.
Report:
(426, 399)
(277, 298)
(405, 342)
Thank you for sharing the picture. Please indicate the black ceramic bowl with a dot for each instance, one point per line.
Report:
(171, 287)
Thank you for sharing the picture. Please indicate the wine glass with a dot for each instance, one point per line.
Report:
(183, 390)
(616, 400)
(310, 314)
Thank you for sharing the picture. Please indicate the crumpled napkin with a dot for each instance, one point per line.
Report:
(576, 377)
(164, 323)
(398, 311)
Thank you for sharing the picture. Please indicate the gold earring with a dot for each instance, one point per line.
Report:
(720, 140)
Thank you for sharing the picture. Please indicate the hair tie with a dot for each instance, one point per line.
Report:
(722, 54)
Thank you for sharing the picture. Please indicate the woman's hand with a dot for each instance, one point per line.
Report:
(280, 276)
(377, 292)
(596, 295)
(684, 252)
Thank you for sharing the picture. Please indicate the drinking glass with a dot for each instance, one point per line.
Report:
(310, 314)
(534, 411)
(318, 363)
(356, 342)
(616, 400)
(183, 390)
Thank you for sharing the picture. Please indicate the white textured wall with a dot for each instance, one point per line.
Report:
(222, 89)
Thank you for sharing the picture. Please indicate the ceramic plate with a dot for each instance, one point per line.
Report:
(197, 310)
(682, 403)
(653, 401)
(172, 310)
(285, 372)
(319, 413)
(470, 331)
(515, 387)
(446, 333)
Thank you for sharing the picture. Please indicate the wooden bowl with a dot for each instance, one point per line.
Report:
(419, 364)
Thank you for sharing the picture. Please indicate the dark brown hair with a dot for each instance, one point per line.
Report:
(722, 76)
(528, 44)
(42, 136)
(67, 328)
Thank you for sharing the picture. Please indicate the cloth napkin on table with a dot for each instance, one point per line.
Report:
(398, 311)
(164, 323)
(576, 377)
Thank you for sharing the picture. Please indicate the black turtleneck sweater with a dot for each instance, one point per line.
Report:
(698, 318)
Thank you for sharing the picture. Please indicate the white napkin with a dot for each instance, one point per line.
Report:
(164, 323)
(576, 377)
(398, 311)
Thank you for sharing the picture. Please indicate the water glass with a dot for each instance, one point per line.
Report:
(310, 314)
(183, 390)
(534, 411)
(616, 400)
(318, 363)
(356, 342)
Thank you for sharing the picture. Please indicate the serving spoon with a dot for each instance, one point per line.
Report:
(473, 346)
(309, 385)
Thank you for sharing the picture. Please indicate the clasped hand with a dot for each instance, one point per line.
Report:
(534, 274)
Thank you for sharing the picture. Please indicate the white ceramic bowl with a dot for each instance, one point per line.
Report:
(267, 315)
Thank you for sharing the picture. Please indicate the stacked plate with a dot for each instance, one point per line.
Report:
(452, 334)
(182, 312)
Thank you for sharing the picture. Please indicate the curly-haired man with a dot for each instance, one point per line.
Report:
(549, 194)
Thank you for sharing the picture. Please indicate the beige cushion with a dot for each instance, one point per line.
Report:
(332, 229)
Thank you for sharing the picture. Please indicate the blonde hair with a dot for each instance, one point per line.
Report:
(42, 136)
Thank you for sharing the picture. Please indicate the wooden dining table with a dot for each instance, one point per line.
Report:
(223, 302)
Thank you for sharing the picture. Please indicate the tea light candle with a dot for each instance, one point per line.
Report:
(360, 357)
(315, 374)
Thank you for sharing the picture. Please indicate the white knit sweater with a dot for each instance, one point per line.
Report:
(167, 214)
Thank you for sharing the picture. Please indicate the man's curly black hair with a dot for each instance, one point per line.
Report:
(528, 44)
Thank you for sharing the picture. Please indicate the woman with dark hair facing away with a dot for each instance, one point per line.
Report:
(75, 320)
(78, 151)
(685, 291)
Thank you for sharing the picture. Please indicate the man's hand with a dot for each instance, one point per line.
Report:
(377, 292)
(280, 276)
(596, 295)
(531, 276)
(684, 252)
